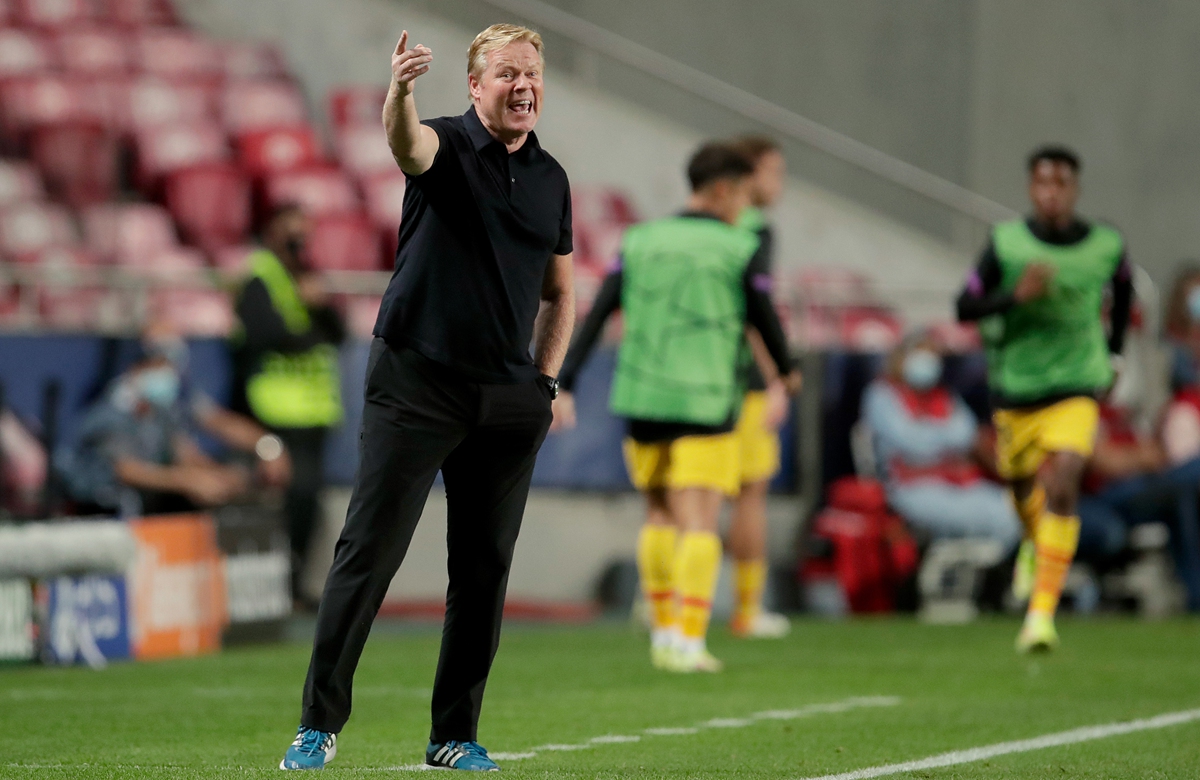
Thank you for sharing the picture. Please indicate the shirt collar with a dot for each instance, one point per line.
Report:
(481, 138)
(697, 214)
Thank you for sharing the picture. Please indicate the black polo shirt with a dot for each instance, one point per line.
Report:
(477, 231)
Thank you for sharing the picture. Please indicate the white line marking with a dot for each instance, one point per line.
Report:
(561, 748)
(1083, 734)
(727, 723)
(672, 731)
(511, 756)
(614, 739)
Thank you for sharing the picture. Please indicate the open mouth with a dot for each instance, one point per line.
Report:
(522, 107)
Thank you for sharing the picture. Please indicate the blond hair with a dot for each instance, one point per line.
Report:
(497, 37)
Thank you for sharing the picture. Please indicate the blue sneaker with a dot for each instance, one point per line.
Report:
(460, 755)
(312, 750)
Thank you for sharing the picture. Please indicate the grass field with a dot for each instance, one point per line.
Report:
(232, 715)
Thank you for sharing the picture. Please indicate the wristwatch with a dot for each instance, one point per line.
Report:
(551, 384)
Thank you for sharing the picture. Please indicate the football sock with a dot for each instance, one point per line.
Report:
(696, 569)
(656, 551)
(749, 580)
(1057, 537)
(1030, 508)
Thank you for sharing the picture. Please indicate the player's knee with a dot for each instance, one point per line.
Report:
(1063, 475)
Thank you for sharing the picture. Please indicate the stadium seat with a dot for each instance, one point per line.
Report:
(29, 227)
(363, 149)
(93, 51)
(175, 53)
(601, 215)
(24, 53)
(53, 13)
(277, 149)
(19, 182)
(195, 313)
(135, 104)
(384, 195)
(162, 150)
(319, 191)
(344, 242)
(256, 104)
(360, 312)
(44, 100)
(62, 304)
(232, 261)
(210, 204)
(357, 105)
(78, 161)
(167, 263)
(258, 60)
(130, 233)
(137, 13)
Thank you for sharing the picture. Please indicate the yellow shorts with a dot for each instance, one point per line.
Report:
(691, 461)
(758, 445)
(1023, 438)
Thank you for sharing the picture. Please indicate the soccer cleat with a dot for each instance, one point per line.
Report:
(312, 749)
(689, 661)
(1037, 634)
(763, 625)
(460, 755)
(1024, 571)
(663, 657)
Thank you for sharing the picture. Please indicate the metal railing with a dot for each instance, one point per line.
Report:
(759, 110)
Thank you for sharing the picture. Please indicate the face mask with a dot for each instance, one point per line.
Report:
(159, 386)
(922, 369)
(1193, 303)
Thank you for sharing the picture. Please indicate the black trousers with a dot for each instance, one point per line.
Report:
(420, 417)
(302, 500)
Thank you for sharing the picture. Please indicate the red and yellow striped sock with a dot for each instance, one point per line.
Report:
(656, 549)
(696, 568)
(1030, 509)
(1057, 538)
(749, 581)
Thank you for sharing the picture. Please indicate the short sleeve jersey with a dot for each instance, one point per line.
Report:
(477, 232)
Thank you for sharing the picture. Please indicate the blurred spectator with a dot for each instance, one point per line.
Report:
(286, 365)
(1130, 483)
(924, 436)
(134, 456)
(1183, 328)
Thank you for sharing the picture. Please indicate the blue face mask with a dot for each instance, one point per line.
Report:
(1193, 303)
(922, 369)
(159, 386)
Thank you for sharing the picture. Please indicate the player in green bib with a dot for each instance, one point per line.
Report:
(687, 286)
(1038, 294)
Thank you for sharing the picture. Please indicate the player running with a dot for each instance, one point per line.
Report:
(1038, 292)
(687, 285)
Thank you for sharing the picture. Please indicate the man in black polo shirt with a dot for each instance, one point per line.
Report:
(484, 243)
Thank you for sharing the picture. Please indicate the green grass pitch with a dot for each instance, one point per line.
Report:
(233, 714)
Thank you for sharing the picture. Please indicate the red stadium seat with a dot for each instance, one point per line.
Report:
(29, 227)
(137, 13)
(161, 150)
(344, 242)
(356, 105)
(167, 263)
(6, 12)
(24, 53)
(45, 100)
(175, 53)
(256, 104)
(210, 204)
(363, 150)
(19, 182)
(361, 311)
(194, 312)
(78, 161)
(277, 149)
(319, 191)
(53, 13)
(259, 60)
(233, 261)
(61, 302)
(129, 234)
(93, 51)
(384, 195)
(134, 104)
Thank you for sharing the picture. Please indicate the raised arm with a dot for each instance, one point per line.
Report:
(413, 145)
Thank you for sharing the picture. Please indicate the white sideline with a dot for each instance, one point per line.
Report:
(970, 755)
(827, 708)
